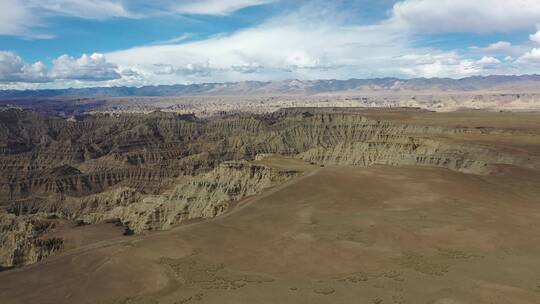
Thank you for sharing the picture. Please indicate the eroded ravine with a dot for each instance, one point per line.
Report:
(151, 172)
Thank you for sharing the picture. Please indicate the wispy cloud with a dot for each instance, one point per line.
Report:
(86, 9)
(466, 16)
(317, 40)
(309, 43)
(216, 7)
(174, 40)
(28, 18)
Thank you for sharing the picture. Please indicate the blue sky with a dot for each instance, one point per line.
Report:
(78, 43)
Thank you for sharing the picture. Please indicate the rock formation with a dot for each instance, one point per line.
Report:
(192, 197)
(23, 240)
(149, 172)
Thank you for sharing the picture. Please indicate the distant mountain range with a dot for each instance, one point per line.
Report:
(525, 83)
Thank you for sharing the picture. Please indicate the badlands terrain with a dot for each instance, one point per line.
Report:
(292, 205)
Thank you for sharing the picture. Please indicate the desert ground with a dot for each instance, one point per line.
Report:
(334, 233)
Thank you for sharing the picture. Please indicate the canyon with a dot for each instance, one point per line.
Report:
(293, 205)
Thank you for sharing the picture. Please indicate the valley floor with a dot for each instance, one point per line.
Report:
(334, 234)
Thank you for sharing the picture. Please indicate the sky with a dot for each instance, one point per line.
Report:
(86, 43)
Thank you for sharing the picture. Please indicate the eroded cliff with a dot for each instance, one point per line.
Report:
(23, 240)
(149, 172)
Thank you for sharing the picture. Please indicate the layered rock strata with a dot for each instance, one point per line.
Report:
(150, 172)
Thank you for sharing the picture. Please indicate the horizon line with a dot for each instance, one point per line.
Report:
(271, 81)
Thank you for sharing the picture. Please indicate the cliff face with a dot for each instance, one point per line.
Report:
(23, 240)
(192, 197)
(149, 172)
(351, 139)
(45, 160)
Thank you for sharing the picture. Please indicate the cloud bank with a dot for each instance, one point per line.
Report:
(314, 43)
(93, 67)
(310, 43)
(15, 15)
(466, 16)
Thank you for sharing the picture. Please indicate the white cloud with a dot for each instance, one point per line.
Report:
(14, 69)
(192, 70)
(489, 63)
(130, 73)
(306, 45)
(527, 63)
(535, 37)
(437, 65)
(311, 43)
(500, 46)
(480, 16)
(416, 15)
(22, 18)
(174, 40)
(532, 56)
(87, 9)
(27, 18)
(293, 46)
(488, 60)
(14, 18)
(101, 9)
(315, 44)
(196, 69)
(216, 7)
(248, 68)
(88, 67)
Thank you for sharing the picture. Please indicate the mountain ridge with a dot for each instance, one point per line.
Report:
(295, 86)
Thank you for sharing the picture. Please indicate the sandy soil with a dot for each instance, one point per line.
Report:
(333, 235)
